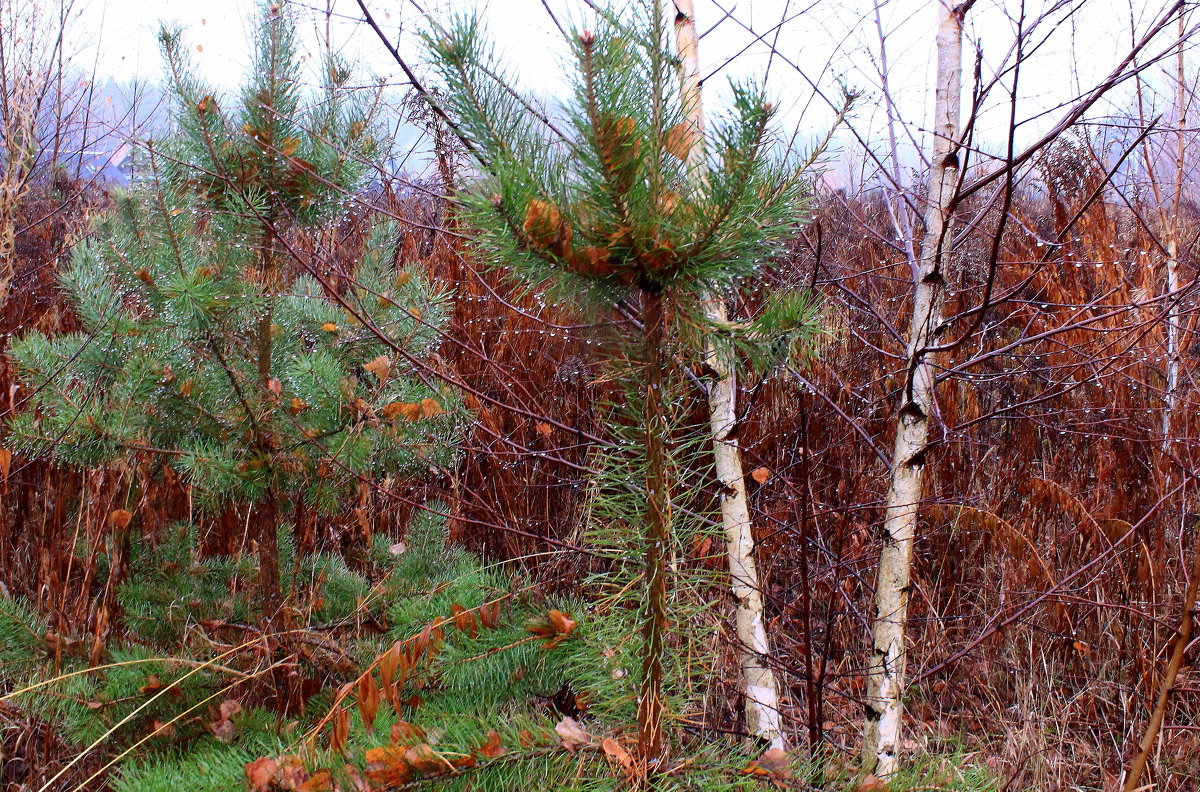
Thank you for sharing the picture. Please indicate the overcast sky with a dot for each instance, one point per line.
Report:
(819, 41)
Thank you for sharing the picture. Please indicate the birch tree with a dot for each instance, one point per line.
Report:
(1170, 224)
(1169, 221)
(885, 680)
(759, 686)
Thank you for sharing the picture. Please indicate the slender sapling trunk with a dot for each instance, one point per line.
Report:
(758, 680)
(885, 680)
(650, 703)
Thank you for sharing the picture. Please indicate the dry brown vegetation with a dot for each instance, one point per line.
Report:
(1056, 538)
(1054, 542)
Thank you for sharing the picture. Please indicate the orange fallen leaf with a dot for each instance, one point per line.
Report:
(350, 773)
(464, 620)
(222, 729)
(388, 663)
(292, 775)
(761, 474)
(320, 781)
(873, 783)
(422, 759)
(405, 733)
(380, 367)
(388, 766)
(563, 623)
(679, 140)
(160, 729)
(340, 733)
(618, 754)
(394, 410)
(260, 774)
(489, 615)
(775, 761)
(493, 747)
(368, 700)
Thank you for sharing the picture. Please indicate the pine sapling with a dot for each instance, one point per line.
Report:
(603, 214)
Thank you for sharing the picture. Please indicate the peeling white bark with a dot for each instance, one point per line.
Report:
(885, 680)
(758, 680)
(1173, 319)
(1173, 313)
(761, 690)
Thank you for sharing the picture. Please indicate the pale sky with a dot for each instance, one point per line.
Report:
(827, 40)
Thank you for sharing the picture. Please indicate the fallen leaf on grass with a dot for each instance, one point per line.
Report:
(873, 783)
(388, 766)
(261, 773)
(773, 764)
(493, 747)
(618, 754)
(572, 733)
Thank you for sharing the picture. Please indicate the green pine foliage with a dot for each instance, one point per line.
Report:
(211, 349)
(22, 632)
(172, 587)
(618, 205)
(121, 702)
(208, 343)
(156, 712)
(696, 594)
(437, 578)
(214, 768)
(168, 672)
(611, 206)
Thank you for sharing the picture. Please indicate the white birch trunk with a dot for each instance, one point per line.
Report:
(758, 680)
(885, 680)
(1172, 385)
(1173, 317)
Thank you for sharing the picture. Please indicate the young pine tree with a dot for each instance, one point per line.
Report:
(605, 212)
(208, 345)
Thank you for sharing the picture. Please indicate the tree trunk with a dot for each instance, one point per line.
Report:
(264, 516)
(885, 680)
(266, 512)
(1173, 314)
(650, 703)
(758, 680)
(1137, 766)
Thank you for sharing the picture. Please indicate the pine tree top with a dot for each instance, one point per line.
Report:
(209, 341)
(611, 198)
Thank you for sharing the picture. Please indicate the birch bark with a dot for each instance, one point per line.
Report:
(1173, 317)
(885, 679)
(759, 686)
